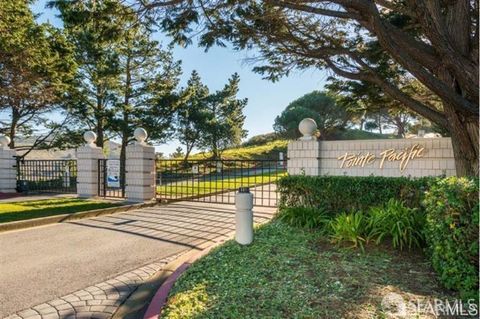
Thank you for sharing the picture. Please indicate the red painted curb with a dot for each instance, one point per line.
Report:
(158, 302)
(155, 308)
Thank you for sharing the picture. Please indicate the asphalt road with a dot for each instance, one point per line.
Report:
(43, 263)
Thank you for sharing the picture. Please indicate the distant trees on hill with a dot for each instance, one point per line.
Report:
(210, 121)
(316, 105)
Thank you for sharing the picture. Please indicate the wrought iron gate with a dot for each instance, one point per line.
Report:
(110, 183)
(46, 176)
(216, 181)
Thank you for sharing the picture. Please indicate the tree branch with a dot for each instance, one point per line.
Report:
(309, 9)
(393, 92)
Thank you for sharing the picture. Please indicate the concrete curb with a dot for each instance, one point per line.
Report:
(21, 224)
(159, 300)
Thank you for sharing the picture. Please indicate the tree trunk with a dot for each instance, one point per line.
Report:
(189, 149)
(13, 127)
(464, 134)
(123, 160)
(400, 124)
(99, 119)
(100, 136)
(125, 130)
(379, 124)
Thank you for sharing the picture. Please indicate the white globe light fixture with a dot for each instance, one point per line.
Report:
(307, 127)
(90, 137)
(4, 141)
(140, 135)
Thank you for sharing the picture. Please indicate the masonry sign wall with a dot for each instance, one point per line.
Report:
(390, 157)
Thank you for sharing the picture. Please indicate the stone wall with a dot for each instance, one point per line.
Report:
(392, 157)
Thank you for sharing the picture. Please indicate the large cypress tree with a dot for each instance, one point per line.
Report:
(434, 41)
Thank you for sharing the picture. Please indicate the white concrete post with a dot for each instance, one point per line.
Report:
(304, 154)
(8, 178)
(244, 216)
(87, 166)
(140, 169)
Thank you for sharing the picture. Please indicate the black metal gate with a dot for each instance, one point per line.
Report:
(215, 181)
(110, 183)
(46, 176)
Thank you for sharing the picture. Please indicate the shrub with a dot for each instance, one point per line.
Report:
(403, 225)
(345, 193)
(308, 217)
(349, 228)
(452, 233)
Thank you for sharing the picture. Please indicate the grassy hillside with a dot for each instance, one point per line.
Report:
(271, 149)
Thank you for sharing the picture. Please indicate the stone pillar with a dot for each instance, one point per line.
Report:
(8, 176)
(140, 169)
(87, 166)
(304, 154)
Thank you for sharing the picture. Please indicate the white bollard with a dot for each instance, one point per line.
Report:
(244, 216)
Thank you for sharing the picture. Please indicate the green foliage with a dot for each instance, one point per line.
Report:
(353, 134)
(308, 217)
(125, 78)
(441, 214)
(345, 193)
(224, 119)
(261, 139)
(349, 228)
(317, 105)
(402, 225)
(210, 121)
(36, 67)
(452, 208)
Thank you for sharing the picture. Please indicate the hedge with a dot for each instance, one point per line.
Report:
(338, 194)
(451, 233)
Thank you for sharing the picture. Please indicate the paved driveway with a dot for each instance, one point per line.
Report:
(45, 263)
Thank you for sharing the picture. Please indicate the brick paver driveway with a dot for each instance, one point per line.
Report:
(87, 268)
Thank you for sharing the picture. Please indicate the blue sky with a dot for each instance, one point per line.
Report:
(265, 99)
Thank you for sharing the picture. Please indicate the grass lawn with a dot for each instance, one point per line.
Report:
(293, 273)
(22, 210)
(200, 187)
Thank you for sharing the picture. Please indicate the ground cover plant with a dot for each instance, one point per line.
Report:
(402, 225)
(293, 272)
(308, 217)
(22, 210)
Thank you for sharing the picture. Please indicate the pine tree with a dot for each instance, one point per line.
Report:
(225, 119)
(36, 67)
(146, 95)
(191, 115)
(95, 28)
